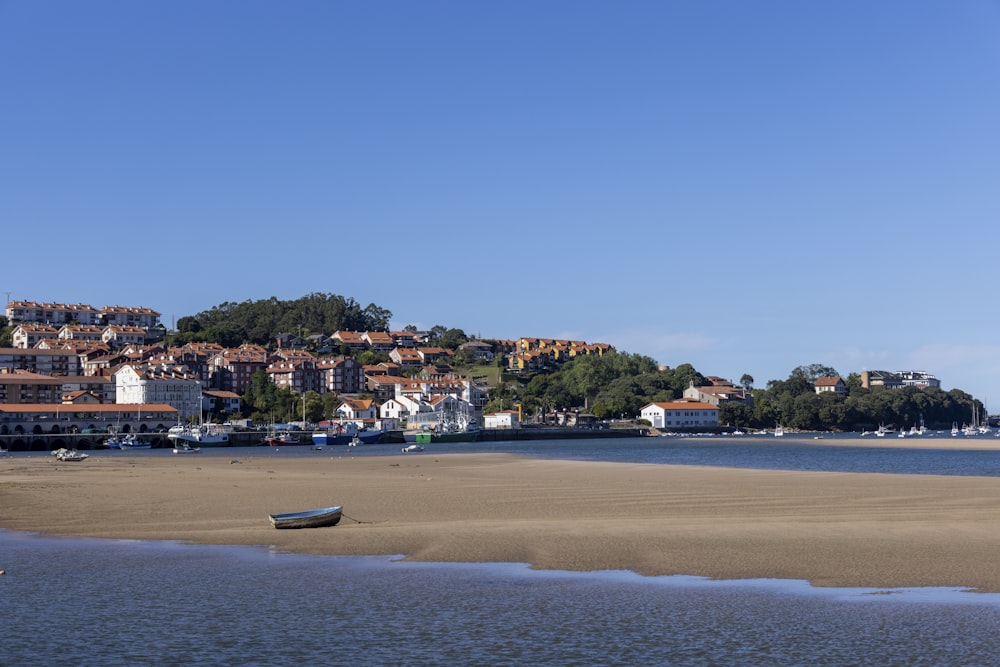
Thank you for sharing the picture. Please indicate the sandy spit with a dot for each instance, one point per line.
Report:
(833, 529)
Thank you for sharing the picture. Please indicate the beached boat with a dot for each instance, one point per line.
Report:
(327, 516)
(413, 448)
(64, 454)
(181, 447)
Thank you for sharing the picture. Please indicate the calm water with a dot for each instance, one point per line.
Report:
(94, 602)
(788, 453)
(97, 602)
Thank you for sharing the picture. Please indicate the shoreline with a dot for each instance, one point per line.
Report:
(831, 529)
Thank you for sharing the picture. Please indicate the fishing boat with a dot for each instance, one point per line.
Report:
(204, 435)
(346, 434)
(281, 439)
(327, 516)
(182, 447)
(129, 441)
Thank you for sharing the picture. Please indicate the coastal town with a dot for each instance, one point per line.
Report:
(79, 370)
(83, 376)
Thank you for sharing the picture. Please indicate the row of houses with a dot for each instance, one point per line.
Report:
(26, 336)
(58, 314)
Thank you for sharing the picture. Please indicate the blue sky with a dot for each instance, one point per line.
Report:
(744, 186)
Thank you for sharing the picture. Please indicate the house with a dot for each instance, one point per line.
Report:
(81, 332)
(340, 375)
(117, 335)
(224, 402)
(681, 415)
(52, 313)
(122, 316)
(406, 357)
(357, 409)
(63, 313)
(20, 386)
(404, 339)
(718, 393)
(477, 349)
(400, 408)
(380, 341)
(320, 344)
(506, 419)
(175, 387)
(299, 374)
(354, 340)
(233, 369)
(81, 397)
(898, 379)
(101, 386)
(429, 355)
(826, 385)
(26, 336)
(289, 340)
(47, 362)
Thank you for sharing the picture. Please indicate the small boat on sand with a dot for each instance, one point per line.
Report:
(64, 454)
(412, 448)
(182, 447)
(327, 516)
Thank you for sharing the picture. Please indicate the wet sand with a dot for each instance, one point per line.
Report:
(833, 529)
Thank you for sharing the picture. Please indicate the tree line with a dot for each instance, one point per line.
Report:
(231, 324)
(619, 384)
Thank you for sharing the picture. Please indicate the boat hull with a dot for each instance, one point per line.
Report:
(366, 438)
(327, 516)
(427, 437)
(201, 439)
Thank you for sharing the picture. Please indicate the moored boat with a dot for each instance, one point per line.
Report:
(205, 435)
(281, 439)
(129, 441)
(327, 516)
(346, 434)
(181, 447)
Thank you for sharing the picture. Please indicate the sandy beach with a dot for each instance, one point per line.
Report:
(833, 529)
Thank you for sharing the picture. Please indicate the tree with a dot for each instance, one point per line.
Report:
(188, 324)
(746, 381)
(812, 372)
(452, 338)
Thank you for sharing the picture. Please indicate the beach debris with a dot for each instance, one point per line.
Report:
(232, 461)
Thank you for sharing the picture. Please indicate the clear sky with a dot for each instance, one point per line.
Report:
(743, 186)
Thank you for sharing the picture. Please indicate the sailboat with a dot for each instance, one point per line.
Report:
(204, 435)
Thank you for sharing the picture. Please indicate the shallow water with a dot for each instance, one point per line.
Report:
(96, 602)
(100, 602)
(801, 453)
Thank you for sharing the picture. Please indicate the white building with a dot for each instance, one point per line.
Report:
(176, 388)
(505, 419)
(681, 414)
